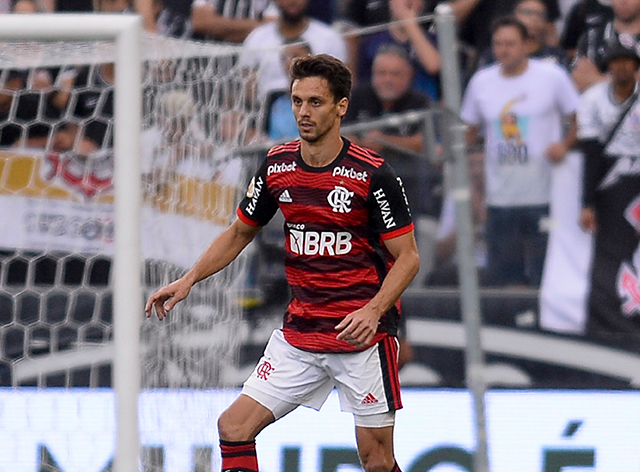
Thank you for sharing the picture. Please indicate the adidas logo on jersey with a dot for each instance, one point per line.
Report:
(369, 399)
(285, 197)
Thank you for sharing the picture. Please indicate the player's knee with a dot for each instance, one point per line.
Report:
(377, 463)
(230, 430)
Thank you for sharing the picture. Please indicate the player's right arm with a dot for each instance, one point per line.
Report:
(206, 21)
(220, 253)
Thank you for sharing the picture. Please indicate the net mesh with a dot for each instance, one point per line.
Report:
(56, 194)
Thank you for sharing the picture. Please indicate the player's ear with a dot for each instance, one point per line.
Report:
(343, 104)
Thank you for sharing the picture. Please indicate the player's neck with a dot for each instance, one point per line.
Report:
(515, 69)
(623, 90)
(291, 30)
(322, 152)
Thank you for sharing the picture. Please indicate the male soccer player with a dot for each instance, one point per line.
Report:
(351, 252)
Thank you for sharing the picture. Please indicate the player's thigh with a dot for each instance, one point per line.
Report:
(367, 381)
(375, 448)
(244, 419)
(286, 377)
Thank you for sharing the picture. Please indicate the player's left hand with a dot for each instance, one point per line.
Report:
(556, 152)
(358, 328)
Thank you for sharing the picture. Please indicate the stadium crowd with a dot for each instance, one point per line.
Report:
(529, 69)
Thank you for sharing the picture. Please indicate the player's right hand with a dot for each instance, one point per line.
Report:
(166, 298)
(588, 220)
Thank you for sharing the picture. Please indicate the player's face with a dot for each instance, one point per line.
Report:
(292, 11)
(392, 77)
(623, 70)
(315, 110)
(533, 13)
(509, 47)
(626, 10)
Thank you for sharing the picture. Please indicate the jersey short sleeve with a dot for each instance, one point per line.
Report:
(589, 123)
(390, 215)
(470, 109)
(566, 92)
(258, 206)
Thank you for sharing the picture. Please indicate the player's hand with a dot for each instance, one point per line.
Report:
(166, 298)
(358, 328)
(556, 152)
(588, 220)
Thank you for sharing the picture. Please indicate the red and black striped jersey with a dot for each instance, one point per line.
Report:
(336, 220)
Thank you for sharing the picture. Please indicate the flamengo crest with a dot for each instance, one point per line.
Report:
(340, 199)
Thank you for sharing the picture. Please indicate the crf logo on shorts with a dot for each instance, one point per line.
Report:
(264, 370)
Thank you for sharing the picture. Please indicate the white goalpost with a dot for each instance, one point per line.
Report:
(127, 33)
(115, 175)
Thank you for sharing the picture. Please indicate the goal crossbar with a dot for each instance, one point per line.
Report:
(126, 31)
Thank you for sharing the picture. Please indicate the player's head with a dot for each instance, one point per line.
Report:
(292, 11)
(626, 11)
(176, 110)
(533, 14)
(320, 88)
(392, 73)
(327, 67)
(621, 60)
(292, 49)
(509, 41)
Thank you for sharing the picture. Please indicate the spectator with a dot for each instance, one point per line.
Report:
(586, 16)
(114, 6)
(609, 136)
(390, 91)
(170, 18)
(280, 120)
(413, 37)
(226, 20)
(176, 141)
(519, 103)
(70, 6)
(445, 272)
(91, 125)
(26, 6)
(532, 14)
(26, 116)
(262, 48)
(476, 16)
(588, 66)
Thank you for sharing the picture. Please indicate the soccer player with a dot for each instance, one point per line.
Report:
(350, 253)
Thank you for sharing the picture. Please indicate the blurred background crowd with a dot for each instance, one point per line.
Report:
(553, 130)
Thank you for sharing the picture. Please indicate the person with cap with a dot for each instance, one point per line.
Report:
(609, 135)
(588, 67)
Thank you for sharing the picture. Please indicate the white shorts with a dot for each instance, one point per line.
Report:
(367, 381)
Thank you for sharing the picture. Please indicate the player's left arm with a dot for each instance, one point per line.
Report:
(568, 100)
(359, 327)
(556, 152)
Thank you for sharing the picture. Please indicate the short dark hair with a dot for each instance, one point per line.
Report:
(509, 21)
(333, 70)
(520, 2)
(396, 50)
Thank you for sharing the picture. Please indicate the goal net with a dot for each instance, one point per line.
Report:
(57, 220)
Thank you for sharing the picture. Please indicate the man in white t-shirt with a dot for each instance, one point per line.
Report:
(519, 105)
(262, 48)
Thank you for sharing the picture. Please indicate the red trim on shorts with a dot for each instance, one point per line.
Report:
(388, 352)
